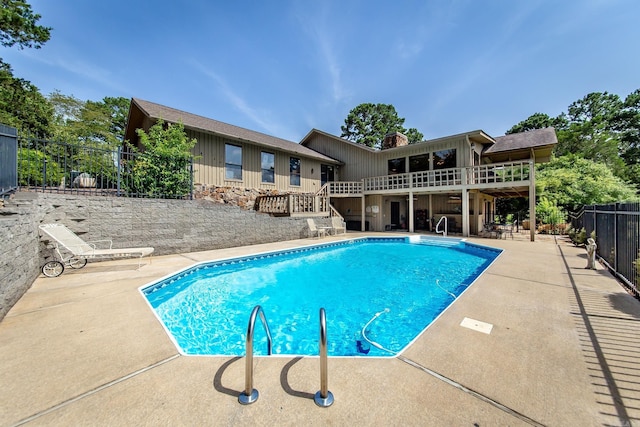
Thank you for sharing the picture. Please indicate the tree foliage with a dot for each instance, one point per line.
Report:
(601, 127)
(95, 123)
(18, 26)
(539, 121)
(571, 181)
(162, 168)
(22, 105)
(368, 124)
(34, 167)
(550, 213)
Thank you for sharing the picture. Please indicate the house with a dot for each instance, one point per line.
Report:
(231, 156)
(399, 187)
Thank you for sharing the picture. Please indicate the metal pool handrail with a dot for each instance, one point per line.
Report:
(250, 395)
(324, 397)
(444, 232)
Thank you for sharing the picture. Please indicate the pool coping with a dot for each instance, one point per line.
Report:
(83, 348)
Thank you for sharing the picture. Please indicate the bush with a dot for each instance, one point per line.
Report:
(31, 168)
(551, 216)
(578, 237)
(163, 167)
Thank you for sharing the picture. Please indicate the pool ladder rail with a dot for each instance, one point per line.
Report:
(250, 394)
(444, 232)
(323, 398)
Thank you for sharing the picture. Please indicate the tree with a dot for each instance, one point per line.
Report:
(368, 124)
(100, 124)
(118, 110)
(539, 121)
(600, 127)
(22, 105)
(572, 181)
(630, 128)
(18, 25)
(162, 168)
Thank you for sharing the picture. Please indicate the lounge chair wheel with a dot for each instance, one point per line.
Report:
(53, 269)
(77, 263)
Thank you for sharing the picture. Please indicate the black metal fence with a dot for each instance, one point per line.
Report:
(8, 159)
(617, 230)
(60, 167)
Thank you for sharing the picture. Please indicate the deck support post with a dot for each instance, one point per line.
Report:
(465, 212)
(410, 213)
(363, 220)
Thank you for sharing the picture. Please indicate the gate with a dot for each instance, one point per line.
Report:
(8, 159)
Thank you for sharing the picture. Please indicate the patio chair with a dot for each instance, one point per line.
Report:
(80, 251)
(338, 224)
(507, 230)
(319, 232)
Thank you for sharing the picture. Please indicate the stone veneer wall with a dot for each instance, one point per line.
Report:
(170, 226)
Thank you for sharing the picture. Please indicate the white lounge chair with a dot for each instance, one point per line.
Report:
(338, 224)
(80, 250)
(320, 232)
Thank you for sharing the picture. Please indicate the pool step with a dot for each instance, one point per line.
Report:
(438, 242)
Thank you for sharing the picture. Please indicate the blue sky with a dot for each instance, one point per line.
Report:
(285, 67)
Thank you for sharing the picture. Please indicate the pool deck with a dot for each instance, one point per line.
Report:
(85, 349)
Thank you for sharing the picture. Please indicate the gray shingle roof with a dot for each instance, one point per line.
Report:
(525, 140)
(196, 122)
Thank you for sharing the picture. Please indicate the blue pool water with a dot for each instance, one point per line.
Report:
(408, 281)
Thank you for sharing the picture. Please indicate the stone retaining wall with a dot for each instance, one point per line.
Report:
(19, 256)
(170, 226)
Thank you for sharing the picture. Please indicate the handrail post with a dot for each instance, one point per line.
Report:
(250, 394)
(323, 398)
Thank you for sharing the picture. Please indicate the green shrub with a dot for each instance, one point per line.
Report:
(31, 168)
(162, 168)
(578, 237)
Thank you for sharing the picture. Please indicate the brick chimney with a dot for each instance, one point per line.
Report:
(395, 139)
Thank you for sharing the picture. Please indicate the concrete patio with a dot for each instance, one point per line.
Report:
(85, 349)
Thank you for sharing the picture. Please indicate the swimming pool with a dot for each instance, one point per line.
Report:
(379, 295)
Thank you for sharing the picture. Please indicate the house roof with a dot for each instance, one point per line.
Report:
(314, 131)
(200, 123)
(500, 149)
(521, 145)
(536, 138)
(476, 135)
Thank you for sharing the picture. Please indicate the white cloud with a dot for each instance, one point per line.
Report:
(240, 104)
(80, 68)
(314, 24)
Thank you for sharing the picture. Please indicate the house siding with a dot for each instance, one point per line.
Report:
(359, 163)
(209, 165)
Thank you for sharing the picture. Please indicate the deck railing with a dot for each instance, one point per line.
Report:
(508, 172)
(513, 173)
(345, 187)
(293, 204)
(500, 172)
